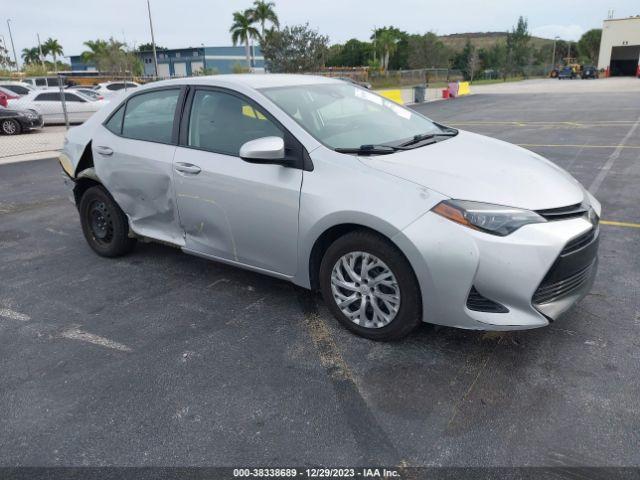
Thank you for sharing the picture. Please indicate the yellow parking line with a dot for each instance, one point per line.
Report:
(576, 146)
(620, 224)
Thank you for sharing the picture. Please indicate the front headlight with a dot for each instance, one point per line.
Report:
(493, 219)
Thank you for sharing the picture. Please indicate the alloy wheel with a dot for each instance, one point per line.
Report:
(365, 289)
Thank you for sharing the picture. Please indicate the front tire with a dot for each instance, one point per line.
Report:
(10, 127)
(370, 287)
(104, 224)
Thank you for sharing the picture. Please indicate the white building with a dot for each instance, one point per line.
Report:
(620, 46)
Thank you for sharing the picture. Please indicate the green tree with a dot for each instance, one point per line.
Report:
(242, 31)
(467, 61)
(294, 49)
(518, 51)
(148, 47)
(96, 50)
(353, 53)
(31, 55)
(387, 41)
(427, 51)
(53, 48)
(494, 58)
(589, 45)
(263, 12)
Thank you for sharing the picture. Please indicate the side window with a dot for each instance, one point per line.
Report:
(222, 123)
(115, 122)
(41, 82)
(149, 116)
(48, 97)
(115, 86)
(70, 97)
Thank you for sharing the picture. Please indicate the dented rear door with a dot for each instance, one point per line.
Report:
(134, 162)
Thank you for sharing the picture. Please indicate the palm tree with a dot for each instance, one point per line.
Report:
(243, 31)
(97, 48)
(387, 41)
(263, 12)
(53, 48)
(31, 55)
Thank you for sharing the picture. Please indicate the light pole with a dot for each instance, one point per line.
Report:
(553, 61)
(40, 50)
(153, 41)
(15, 58)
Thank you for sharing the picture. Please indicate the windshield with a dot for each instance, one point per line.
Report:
(347, 116)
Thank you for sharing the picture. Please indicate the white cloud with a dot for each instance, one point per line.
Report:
(565, 32)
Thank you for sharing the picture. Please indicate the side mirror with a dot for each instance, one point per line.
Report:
(263, 150)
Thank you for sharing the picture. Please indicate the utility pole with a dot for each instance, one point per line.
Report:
(553, 61)
(153, 41)
(40, 49)
(15, 58)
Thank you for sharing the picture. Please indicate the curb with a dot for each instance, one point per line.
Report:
(26, 157)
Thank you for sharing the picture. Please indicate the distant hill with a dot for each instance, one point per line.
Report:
(456, 41)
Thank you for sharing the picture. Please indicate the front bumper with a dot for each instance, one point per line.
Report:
(450, 259)
(29, 123)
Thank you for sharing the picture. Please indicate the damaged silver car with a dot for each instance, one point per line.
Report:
(396, 219)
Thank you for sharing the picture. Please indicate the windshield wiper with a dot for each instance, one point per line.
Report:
(371, 149)
(428, 136)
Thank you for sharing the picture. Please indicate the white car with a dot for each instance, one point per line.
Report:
(108, 89)
(394, 218)
(19, 88)
(48, 104)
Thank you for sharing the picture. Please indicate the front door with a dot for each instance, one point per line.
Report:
(229, 208)
(133, 154)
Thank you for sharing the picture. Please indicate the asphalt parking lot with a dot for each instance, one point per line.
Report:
(160, 358)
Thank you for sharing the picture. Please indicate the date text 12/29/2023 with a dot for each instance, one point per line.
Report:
(315, 473)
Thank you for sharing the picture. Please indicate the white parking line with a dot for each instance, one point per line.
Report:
(595, 185)
(13, 315)
(75, 333)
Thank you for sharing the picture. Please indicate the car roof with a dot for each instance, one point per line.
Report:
(255, 81)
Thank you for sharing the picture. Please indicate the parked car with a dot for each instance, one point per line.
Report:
(13, 122)
(89, 92)
(49, 105)
(589, 72)
(366, 85)
(393, 217)
(21, 88)
(43, 83)
(108, 89)
(6, 95)
(566, 72)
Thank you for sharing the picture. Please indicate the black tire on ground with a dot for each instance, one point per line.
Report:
(104, 224)
(409, 314)
(10, 127)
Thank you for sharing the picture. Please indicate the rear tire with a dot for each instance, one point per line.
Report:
(383, 301)
(104, 224)
(10, 127)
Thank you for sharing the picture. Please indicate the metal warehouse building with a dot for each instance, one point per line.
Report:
(620, 46)
(182, 62)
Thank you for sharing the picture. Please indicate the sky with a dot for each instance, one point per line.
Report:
(190, 23)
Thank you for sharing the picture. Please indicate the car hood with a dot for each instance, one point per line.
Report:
(474, 167)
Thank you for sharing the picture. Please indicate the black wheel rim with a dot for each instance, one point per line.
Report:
(100, 222)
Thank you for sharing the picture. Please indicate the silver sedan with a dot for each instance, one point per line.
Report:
(394, 218)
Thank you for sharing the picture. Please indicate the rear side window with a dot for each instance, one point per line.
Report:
(149, 116)
(115, 86)
(70, 97)
(48, 97)
(19, 89)
(115, 122)
(41, 82)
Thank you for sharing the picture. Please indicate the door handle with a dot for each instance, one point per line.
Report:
(187, 168)
(106, 151)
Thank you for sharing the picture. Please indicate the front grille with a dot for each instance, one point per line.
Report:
(580, 242)
(479, 303)
(551, 291)
(564, 213)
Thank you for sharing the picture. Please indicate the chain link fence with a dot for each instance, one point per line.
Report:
(36, 113)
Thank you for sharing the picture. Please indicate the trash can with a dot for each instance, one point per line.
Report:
(419, 93)
(445, 93)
